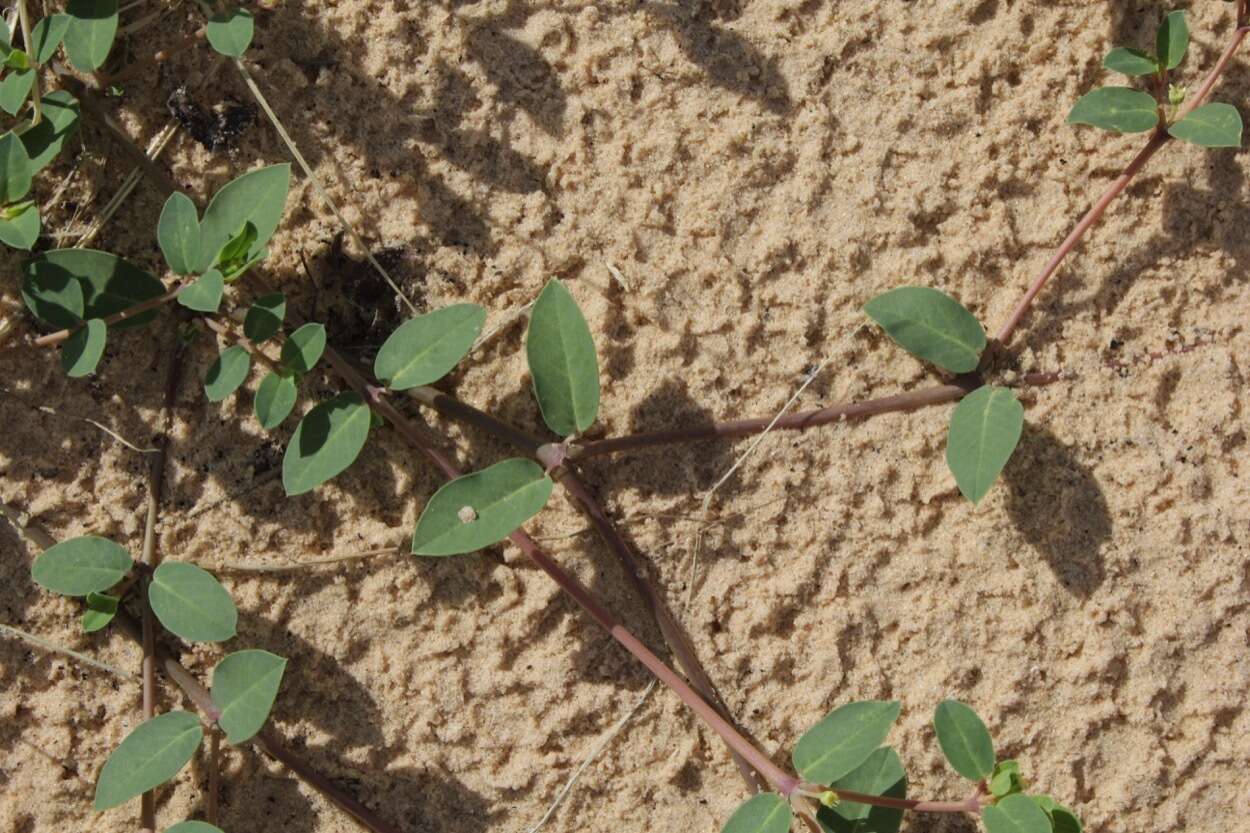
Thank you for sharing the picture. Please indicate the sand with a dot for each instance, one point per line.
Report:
(755, 171)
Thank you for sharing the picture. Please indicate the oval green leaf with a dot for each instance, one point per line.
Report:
(763, 813)
(846, 738)
(230, 32)
(84, 348)
(205, 294)
(426, 348)
(562, 360)
(965, 741)
(101, 608)
(304, 347)
(1211, 125)
(264, 318)
(328, 440)
(1121, 109)
(1062, 820)
(178, 233)
(881, 774)
(1172, 40)
(1131, 62)
(81, 565)
(54, 297)
(149, 756)
(258, 197)
(90, 33)
(16, 169)
(481, 509)
(109, 283)
(985, 428)
(227, 373)
(245, 685)
(22, 230)
(1015, 814)
(60, 119)
(14, 87)
(274, 400)
(1006, 779)
(47, 35)
(930, 325)
(193, 827)
(191, 603)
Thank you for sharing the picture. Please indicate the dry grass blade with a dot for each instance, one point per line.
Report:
(61, 649)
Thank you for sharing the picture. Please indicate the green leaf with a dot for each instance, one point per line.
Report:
(236, 250)
(100, 611)
(60, 119)
(14, 87)
(230, 32)
(304, 347)
(1211, 125)
(17, 59)
(327, 441)
(274, 400)
(881, 774)
(257, 197)
(763, 813)
(1006, 779)
(193, 827)
(47, 35)
(81, 565)
(205, 294)
(178, 232)
(426, 348)
(930, 325)
(1121, 109)
(16, 169)
(847, 736)
(89, 36)
(84, 349)
(245, 685)
(109, 283)
(1015, 814)
(965, 741)
(1062, 820)
(149, 756)
(1172, 40)
(482, 508)
(227, 373)
(984, 430)
(1131, 62)
(21, 230)
(191, 603)
(562, 360)
(54, 297)
(264, 318)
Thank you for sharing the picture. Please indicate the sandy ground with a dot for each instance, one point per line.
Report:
(756, 171)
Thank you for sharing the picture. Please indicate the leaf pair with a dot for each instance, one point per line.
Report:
(969, 749)
(1127, 110)
(986, 426)
(842, 751)
(187, 600)
(19, 218)
(22, 64)
(245, 685)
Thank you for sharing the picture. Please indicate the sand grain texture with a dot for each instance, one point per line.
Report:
(756, 171)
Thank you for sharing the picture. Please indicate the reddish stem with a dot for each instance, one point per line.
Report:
(125, 315)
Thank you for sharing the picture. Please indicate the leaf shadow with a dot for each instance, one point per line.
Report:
(1059, 509)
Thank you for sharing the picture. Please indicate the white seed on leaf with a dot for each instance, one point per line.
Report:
(466, 514)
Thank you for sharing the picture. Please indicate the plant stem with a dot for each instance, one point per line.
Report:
(35, 100)
(568, 477)
(794, 422)
(130, 312)
(148, 558)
